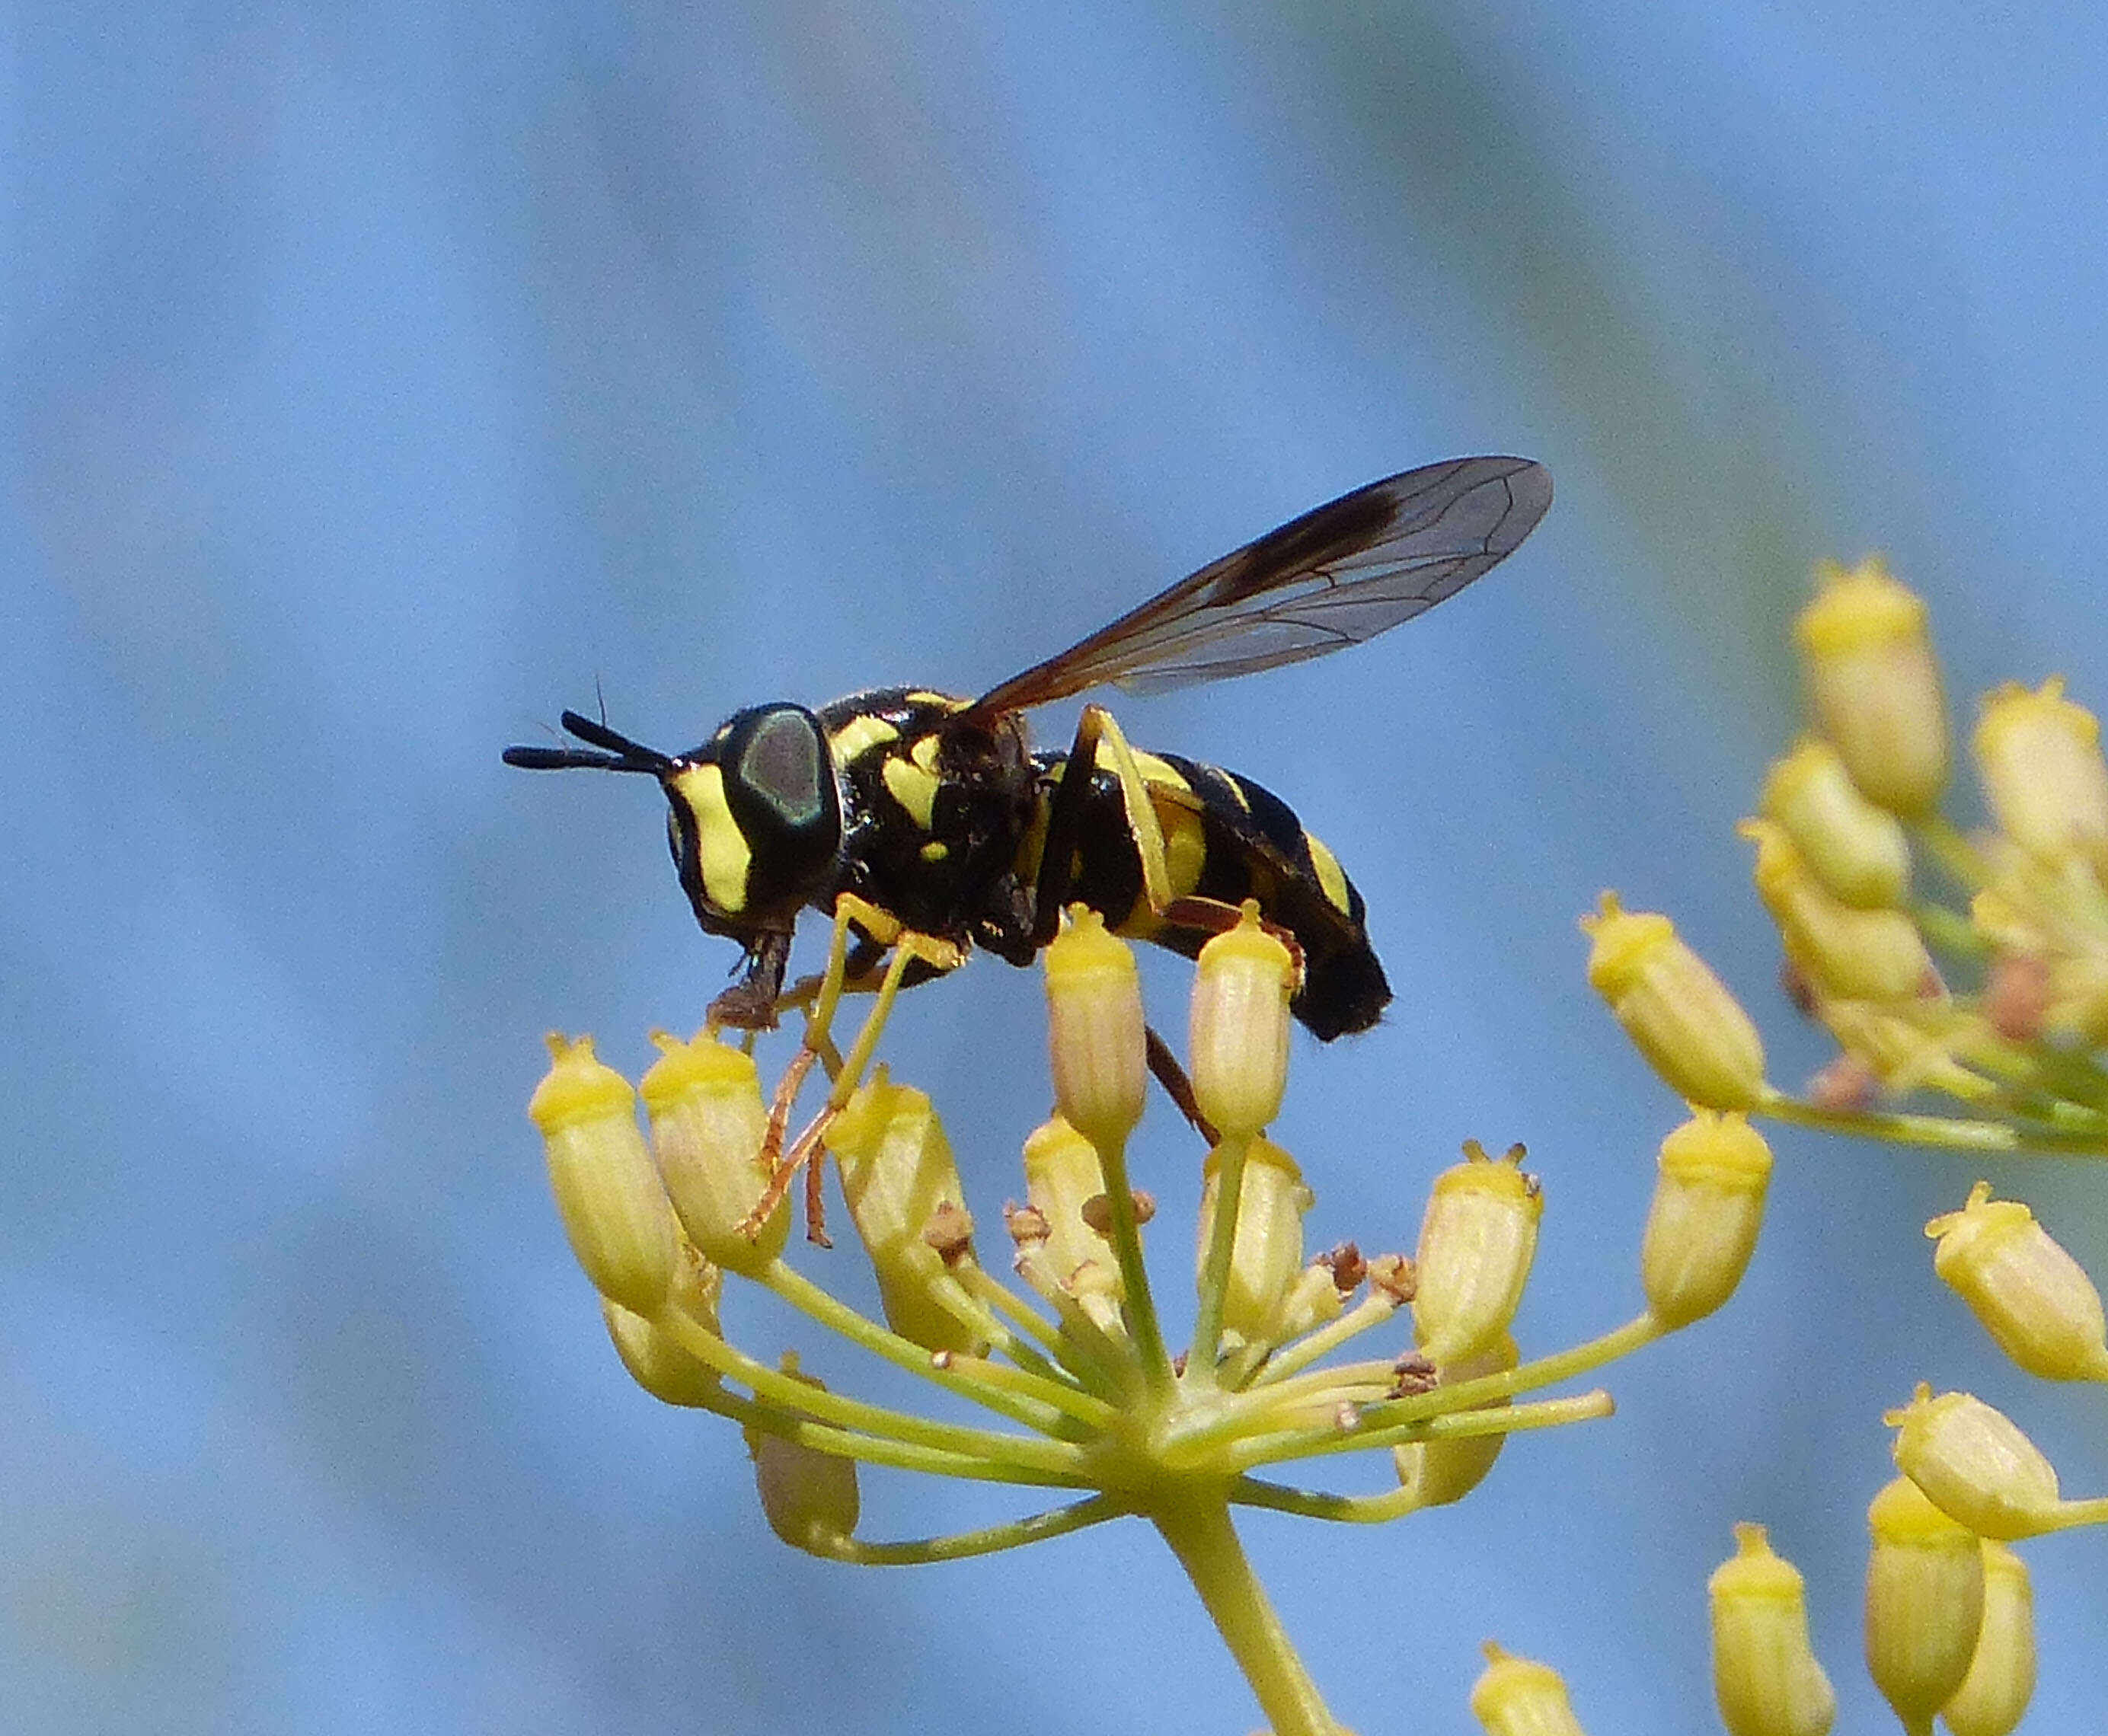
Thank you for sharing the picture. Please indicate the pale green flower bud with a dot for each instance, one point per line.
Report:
(1676, 1012)
(1874, 685)
(708, 1123)
(2039, 756)
(1062, 1174)
(897, 1171)
(1096, 1037)
(1848, 954)
(1517, 1697)
(614, 1208)
(808, 1497)
(1708, 1205)
(1266, 1254)
(1857, 850)
(1994, 1695)
(2033, 1298)
(1765, 1674)
(1312, 1300)
(1449, 1467)
(1477, 1241)
(1240, 1026)
(1924, 1602)
(654, 1355)
(1975, 1465)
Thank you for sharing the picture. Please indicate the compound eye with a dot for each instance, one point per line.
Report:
(779, 782)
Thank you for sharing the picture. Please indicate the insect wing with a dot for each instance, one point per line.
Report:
(1341, 573)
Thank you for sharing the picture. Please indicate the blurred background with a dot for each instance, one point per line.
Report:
(381, 380)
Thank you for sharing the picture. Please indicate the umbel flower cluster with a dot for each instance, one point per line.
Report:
(1066, 1354)
(1971, 967)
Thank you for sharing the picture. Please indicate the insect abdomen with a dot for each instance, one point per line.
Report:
(1228, 838)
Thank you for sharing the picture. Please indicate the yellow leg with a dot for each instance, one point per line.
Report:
(818, 1045)
(1097, 729)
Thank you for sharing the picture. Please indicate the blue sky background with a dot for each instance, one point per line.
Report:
(380, 380)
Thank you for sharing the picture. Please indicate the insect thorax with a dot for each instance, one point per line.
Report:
(935, 812)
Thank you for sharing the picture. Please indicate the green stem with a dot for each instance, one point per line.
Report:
(1384, 1426)
(900, 1455)
(1369, 1435)
(1094, 1414)
(1949, 930)
(1038, 1406)
(1126, 1238)
(1091, 1371)
(1945, 1132)
(971, 1311)
(960, 1545)
(1948, 846)
(1215, 1267)
(1196, 1522)
(1372, 1311)
(800, 1398)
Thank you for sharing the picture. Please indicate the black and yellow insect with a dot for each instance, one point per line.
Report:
(925, 821)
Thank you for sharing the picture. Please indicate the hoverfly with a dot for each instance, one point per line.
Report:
(926, 824)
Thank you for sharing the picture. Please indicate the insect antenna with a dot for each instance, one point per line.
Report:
(617, 752)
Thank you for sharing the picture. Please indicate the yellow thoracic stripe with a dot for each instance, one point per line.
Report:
(914, 788)
(1331, 877)
(725, 854)
(858, 735)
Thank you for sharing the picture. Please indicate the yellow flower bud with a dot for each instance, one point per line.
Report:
(1311, 1300)
(808, 1497)
(1911, 1051)
(614, 1208)
(1676, 1011)
(1061, 1172)
(1874, 685)
(897, 1170)
(1708, 1205)
(2033, 1298)
(654, 1355)
(2002, 1676)
(1517, 1697)
(1975, 1465)
(2039, 756)
(1924, 1602)
(1476, 1243)
(1239, 1040)
(1858, 851)
(1096, 1037)
(1266, 1254)
(1848, 954)
(708, 1123)
(1448, 1468)
(1765, 1674)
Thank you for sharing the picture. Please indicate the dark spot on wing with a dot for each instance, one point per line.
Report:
(1329, 532)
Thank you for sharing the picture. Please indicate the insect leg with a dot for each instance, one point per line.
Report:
(907, 948)
(816, 1045)
(1096, 731)
(1164, 1066)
